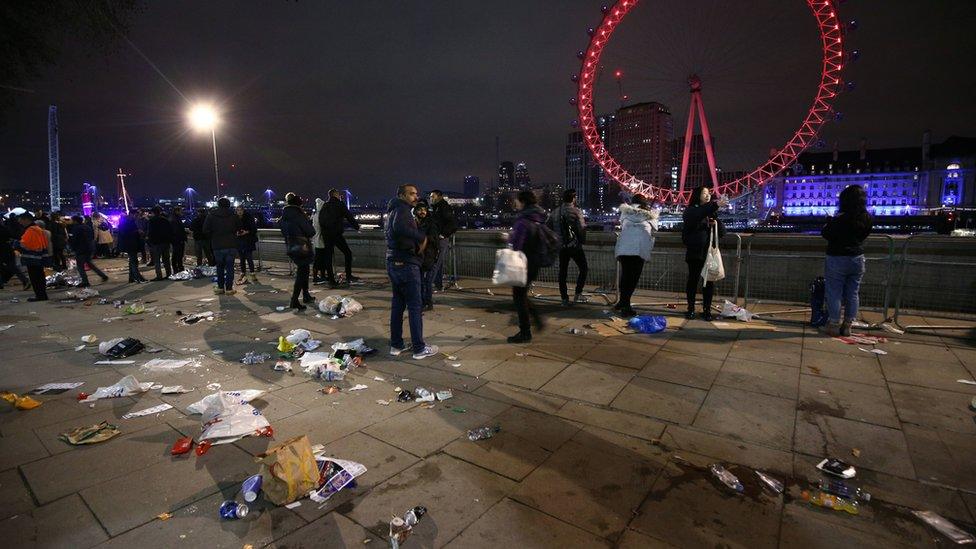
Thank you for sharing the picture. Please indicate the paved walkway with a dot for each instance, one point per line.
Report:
(604, 441)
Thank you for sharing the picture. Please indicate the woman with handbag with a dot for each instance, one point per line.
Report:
(701, 224)
(297, 229)
(637, 226)
(526, 237)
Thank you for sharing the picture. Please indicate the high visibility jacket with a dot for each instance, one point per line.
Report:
(34, 239)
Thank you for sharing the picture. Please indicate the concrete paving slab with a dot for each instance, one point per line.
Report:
(20, 448)
(933, 408)
(683, 369)
(530, 371)
(943, 457)
(921, 372)
(628, 353)
(848, 367)
(613, 420)
(589, 488)
(423, 431)
(760, 377)
(807, 527)
(743, 415)
(15, 498)
(632, 539)
(880, 448)
(687, 439)
(512, 524)
(506, 454)
(332, 529)
(660, 400)
(590, 381)
(770, 351)
(63, 523)
(547, 431)
(520, 397)
(625, 446)
(455, 494)
(856, 401)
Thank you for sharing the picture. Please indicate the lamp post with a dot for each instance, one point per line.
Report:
(203, 118)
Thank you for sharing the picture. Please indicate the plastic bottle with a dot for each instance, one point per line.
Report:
(726, 478)
(842, 489)
(482, 433)
(830, 501)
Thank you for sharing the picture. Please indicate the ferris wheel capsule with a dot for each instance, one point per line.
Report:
(581, 54)
(574, 78)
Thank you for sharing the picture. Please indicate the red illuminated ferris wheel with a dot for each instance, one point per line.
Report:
(831, 38)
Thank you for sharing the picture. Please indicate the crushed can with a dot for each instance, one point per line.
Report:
(231, 510)
(251, 487)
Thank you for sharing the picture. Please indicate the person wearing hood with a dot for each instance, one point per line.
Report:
(130, 242)
(318, 264)
(297, 229)
(569, 224)
(526, 238)
(222, 227)
(405, 245)
(332, 219)
(638, 223)
(699, 217)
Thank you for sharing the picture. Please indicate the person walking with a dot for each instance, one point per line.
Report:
(526, 237)
(638, 223)
(247, 242)
(699, 217)
(570, 226)
(178, 229)
(81, 239)
(297, 229)
(35, 254)
(159, 234)
(844, 265)
(332, 218)
(130, 242)
(222, 228)
(201, 243)
(446, 224)
(405, 243)
(8, 260)
(428, 259)
(59, 242)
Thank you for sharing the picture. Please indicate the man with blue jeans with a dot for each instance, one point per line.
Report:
(222, 227)
(404, 247)
(443, 217)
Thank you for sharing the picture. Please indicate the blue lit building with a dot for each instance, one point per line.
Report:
(898, 181)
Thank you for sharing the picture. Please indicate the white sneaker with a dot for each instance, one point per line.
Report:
(429, 350)
(394, 351)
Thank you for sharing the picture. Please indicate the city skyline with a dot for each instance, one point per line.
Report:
(376, 115)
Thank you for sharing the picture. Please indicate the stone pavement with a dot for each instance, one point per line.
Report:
(604, 441)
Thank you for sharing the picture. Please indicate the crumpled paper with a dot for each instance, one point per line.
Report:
(99, 432)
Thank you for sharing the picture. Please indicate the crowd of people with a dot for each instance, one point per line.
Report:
(418, 236)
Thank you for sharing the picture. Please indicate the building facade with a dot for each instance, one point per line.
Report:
(641, 141)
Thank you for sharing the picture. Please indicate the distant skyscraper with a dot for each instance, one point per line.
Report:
(472, 186)
(506, 175)
(641, 138)
(522, 179)
(582, 173)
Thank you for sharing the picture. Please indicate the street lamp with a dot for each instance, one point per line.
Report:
(203, 118)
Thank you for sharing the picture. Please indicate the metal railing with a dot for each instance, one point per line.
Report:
(917, 275)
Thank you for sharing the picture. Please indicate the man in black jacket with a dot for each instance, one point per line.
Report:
(446, 224)
(179, 238)
(223, 227)
(568, 222)
(82, 238)
(59, 241)
(159, 234)
(332, 218)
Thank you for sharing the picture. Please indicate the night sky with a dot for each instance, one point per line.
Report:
(369, 94)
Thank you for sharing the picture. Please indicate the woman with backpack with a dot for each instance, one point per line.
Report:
(297, 229)
(700, 218)
(428, 256)
(638, 223)
(844, 265)
(531, 236)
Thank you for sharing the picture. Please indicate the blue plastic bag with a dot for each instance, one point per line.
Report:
(649, 324)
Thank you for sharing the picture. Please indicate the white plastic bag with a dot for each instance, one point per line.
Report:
(104, 346)
(127, 386)
(731, 310)
(349, 306)
(714, 269)
(227, 418)
(298, 336)
(511, 268)
(247, 395)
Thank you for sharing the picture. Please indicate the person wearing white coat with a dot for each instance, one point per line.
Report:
(318, 264)
(638, 223)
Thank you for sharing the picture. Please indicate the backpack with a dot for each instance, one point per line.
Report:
(545, 252)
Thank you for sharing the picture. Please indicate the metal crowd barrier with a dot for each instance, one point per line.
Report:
(917, 275)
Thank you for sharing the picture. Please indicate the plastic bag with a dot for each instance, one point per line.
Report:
(330, 305)
(288, 471)
(511, 268)
(349, 306)
(126, 386)
(247, 395)
(731, 310)
(714, 269)
(228, 418)
(648, 324)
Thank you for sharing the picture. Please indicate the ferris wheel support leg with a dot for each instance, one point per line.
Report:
(687, 147)
(707, 138)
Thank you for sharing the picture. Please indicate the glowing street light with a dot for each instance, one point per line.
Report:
(203, 118)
